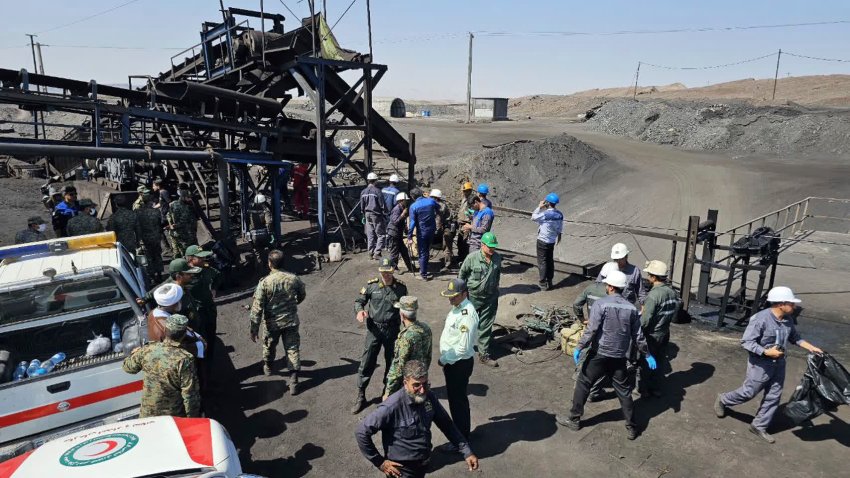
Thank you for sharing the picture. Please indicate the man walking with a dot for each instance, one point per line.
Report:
(374, 210)
(85, 222)
(766, 338)
(614, 326)
(275, 310)
(481, 224)
(482, 270)
(404, 420)
(660, 308)
(551, 223)
(203, 290)
(395, 233)
(635, 291)
(171, 383)
(423, 220)
(182, 222)
(125, 223)
(375, 306)
(413, 343)
(36, 227)
(457, 349)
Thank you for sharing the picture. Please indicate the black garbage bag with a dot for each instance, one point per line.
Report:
(825, 384)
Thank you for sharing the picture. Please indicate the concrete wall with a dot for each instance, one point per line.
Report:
(490, 108)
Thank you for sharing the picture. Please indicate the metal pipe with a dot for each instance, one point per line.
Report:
(106, 152)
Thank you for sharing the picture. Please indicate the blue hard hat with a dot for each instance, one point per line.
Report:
(552, 198)
(483, 189)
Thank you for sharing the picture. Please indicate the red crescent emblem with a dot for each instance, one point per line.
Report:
(110, 445)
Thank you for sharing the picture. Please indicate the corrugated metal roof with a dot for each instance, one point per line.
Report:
(32, 267)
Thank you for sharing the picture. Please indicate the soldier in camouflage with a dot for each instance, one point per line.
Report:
(85, 222)
(125, 223)
(171, 383)
(413, 343)
(143, 199)
(203, 290)
(275, 310)
(182, 223)
(34, 232)
(150, 234)
(375, 306)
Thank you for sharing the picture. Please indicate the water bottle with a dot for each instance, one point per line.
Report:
(33, 367)
(60, 356)
(46, 367)
(21, 371)
(116, 333)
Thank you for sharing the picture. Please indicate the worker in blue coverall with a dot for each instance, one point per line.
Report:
(423, 219)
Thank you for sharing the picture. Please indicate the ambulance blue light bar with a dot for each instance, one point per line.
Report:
(88, 241)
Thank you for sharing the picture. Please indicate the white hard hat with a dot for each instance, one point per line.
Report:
(401, 197)
(607, 268)
(168, 295)
(619, 251)
(436, 193)
(371, 177)
(616, 279)
(782, 294)
(259, 199)
(656, 268)
(394, 178)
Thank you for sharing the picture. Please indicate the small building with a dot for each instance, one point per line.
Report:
(490, 108)
(389, 107)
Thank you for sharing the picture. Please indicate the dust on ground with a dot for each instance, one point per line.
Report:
(19, 199)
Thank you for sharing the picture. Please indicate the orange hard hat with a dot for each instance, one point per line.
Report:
(467, 186)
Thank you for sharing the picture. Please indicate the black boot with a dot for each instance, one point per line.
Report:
(359, 403)
(293, 383)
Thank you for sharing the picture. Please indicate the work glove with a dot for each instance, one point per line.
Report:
(650, 360)
(576, 355)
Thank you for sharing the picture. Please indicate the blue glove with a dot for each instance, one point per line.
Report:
(576, 355)
(650, 360)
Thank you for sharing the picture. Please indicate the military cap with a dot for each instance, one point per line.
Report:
(35, 220)
(143, 190)
(84, 203)
(454, 288)
(69, 189)
(181, 265)
(196, 251)
(176, 322)
(407, 304)
(386, 265)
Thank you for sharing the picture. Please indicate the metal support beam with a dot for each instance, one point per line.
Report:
(321, 153)
(223, 199)
(274, 181)
(411, 163)
(707, 259)
(690, 258)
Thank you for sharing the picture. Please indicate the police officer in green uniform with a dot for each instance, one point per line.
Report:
(203, 290)
(482, 270)
(376, 308)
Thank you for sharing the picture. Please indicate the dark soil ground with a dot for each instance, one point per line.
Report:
(19, 199)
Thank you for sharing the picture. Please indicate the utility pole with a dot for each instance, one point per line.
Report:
(469, 82)
(776, 75)
(41, 71)
(34, 69)
(369, 26)
(637, 75)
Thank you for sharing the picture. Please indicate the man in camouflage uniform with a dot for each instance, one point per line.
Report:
(182, 223)
(143, 199)
(182, 274)
(34, 231)
(150, 233)
(125, 223)
(275, 309)
(203, 290)
(464, 216)
(171, 383)
(446, 229)
(660, 308)
(375, 306)
(85, 222)
(413, 343)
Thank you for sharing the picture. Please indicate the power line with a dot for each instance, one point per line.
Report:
(653, 32)
(343, 14)
(290, 10)
(815, 57)
(750, 60)
(88, 17)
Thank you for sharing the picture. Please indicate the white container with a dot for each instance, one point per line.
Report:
(334, 252)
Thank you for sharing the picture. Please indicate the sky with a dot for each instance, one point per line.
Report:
(425, 43)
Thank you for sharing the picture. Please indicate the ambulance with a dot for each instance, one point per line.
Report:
(161, 447)
(56, 297)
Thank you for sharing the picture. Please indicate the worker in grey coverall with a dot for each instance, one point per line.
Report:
(375, 213)
(766, 337)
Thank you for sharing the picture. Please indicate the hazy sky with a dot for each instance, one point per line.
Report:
(425, 42)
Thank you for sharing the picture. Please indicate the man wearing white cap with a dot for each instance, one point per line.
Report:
(374, 211)
(661, 306)
(634, 292)
(766, 337)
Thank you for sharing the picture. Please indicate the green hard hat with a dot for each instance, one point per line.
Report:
(489, 240)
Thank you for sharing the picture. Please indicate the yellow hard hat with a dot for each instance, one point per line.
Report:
(467, 186)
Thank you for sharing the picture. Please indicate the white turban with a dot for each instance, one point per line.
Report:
(168, 295)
